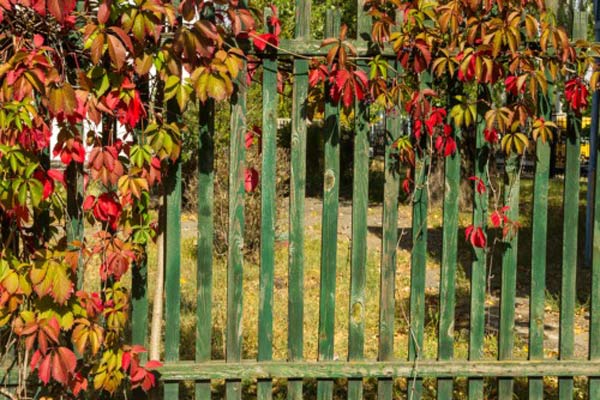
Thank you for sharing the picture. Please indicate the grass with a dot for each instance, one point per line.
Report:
(311, 293)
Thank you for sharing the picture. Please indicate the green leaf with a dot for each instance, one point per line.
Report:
(36, 191)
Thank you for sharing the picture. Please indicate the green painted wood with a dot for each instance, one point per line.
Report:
(360, 208)
(297, 194)
(172, 269)
(235, 239)
(594, 335)
(418, 260)
(74, 215)
(235, 255)
(331, 187)
(509, 274)
(389, 243)
(139, 302)
(185, 370)
(539, 228)
(478, 265)
(448, 266)
(418, 264)
(204, 273)
(268, 217)
(568, 294)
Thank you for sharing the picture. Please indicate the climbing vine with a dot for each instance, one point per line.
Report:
(98, 73)
(457, 62)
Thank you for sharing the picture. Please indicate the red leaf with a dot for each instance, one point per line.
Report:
(511, 83)
(499, 217)
(251, 179)
(78, 384)
(103, 11)
(436, 118)
(63, 365)
(56, 8)
(56, 175)
(476, 236)
(44, 369)
(406, 183)
(152, 364)
(38, 40)
(576, 93)
(479, 184)
(445, 143)
(46, 182)
(491, 135)
(89, 202)
(126, 360)
(261, 41)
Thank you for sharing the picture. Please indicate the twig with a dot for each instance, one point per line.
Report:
(6, 393)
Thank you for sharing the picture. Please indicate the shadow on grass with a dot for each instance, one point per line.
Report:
(554, 254)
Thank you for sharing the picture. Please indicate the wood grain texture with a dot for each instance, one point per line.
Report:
(568, 294)
(204, 273)
(506, 332)
(539, 238)
(268, 217)
(331, 187)
(172, 269)
(448, 268)
(185, 370)
(360, 208)
(389, 243)
(235, 255)
(479, 264)
(418, 259)
(297, 199)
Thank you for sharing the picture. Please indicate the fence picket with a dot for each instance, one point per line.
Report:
(479, 264)
(235, 255)
(297, 194)
(331, 187)
(360, 204)
(539, 227)
(418, 261)
(172, 270)
(448, 267)
(594, 335)
(268, 217)
(139, 302)
(387, 301)
(509, 274)
(569, 261)
(204, 273)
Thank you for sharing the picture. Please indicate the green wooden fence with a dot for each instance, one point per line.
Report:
(233, 369)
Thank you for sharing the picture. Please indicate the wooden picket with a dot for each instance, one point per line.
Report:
(387, 368)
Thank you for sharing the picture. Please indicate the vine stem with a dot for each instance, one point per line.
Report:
(6, 393)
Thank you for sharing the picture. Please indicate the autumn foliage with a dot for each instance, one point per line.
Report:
(99, 73)
(90, 73)
(459, 62)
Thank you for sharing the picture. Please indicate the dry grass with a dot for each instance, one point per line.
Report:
(311, 292)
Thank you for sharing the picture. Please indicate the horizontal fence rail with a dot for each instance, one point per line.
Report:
(378, 369)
